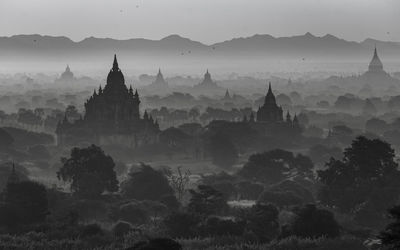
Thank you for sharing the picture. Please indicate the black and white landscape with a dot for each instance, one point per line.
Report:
(200, 125)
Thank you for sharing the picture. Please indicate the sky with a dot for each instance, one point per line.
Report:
(207, 21)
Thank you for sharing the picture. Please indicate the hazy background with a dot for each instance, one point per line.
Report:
(207, 21)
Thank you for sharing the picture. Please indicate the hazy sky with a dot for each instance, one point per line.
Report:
(207, 21)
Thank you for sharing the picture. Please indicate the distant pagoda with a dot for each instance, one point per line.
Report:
(375, 66)
(66, 76)
(160, 81)
(207, 82)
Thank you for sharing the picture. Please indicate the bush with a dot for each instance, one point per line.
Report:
(248, 190)
(261, 222)
(133, 212)
(182, 224)
(170, 201)
(122, 228)
(146, 184)
(215, 226)
(91, 230)
(280, 199)
(312, 222)
(156, 244)
(207, 201)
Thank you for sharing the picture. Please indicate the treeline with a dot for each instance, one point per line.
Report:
(276, 200)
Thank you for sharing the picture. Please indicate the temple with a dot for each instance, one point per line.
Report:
(160, 81)
(227, 96)
(375, 65)
(374, 81)
(207, 82)
(270, 111)
(66, 77)
(269, 119)
(112, 116)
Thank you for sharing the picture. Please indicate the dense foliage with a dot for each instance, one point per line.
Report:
(90, 171)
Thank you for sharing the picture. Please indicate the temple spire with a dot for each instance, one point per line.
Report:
(115, 64)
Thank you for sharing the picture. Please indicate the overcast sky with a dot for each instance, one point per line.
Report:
(207, 21)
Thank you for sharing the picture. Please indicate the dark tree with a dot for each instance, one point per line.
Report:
(26, 203)
(156, 244)
(391, 235)
(207, 201)
(368, 167)
(90, 171)
(146, 184)
(261, 220)
(311, 222)
(276, 165)
(223, 152)
(6, 139)
(182, 224)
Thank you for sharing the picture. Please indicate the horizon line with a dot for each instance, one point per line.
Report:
(207, 44)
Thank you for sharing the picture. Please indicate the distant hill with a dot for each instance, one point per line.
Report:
(180, 50)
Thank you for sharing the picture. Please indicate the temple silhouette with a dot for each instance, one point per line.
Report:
(112, 116)
(374, 80)
(269, 118)
(160, 81)
(207, 83)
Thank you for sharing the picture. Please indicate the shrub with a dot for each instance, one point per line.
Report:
(280, 199)
(182, 224)
(122, 228)
(313, 222)
(146, 184)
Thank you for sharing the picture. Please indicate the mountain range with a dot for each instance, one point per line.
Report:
(175, 48)
(305, 46)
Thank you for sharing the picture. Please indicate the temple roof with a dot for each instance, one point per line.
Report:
(115, 78)
(270, 97)
(375, 64)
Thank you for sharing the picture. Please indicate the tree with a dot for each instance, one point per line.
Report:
(182, 224)
(223, 151)
(311, 222)
(26, 202)
(156, 244)
(6, 140)
(368, 166)
(90, 171)
(391, 235)
(207, 201)
(276, 165)
(146, 184)
(262, 221)
(179, 181)
(72, 113)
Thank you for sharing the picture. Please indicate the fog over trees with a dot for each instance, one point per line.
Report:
(256, 142)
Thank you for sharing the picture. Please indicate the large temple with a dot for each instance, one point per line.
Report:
(111, 117)
(270, 111)
(269, 118)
